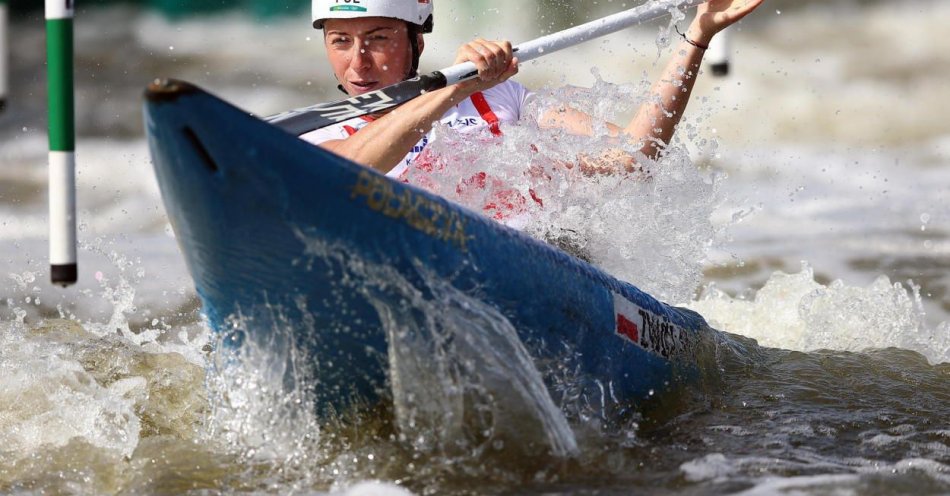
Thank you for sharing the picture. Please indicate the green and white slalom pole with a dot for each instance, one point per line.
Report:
(62, 142)
(4, 54)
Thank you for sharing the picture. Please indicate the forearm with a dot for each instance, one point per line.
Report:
(656, 121)
(383, 143)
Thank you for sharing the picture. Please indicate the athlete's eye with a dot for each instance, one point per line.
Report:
(339, 41)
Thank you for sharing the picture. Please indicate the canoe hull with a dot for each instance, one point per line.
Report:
(271, 228)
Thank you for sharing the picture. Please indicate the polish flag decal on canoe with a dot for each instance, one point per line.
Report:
(628, 329)
(649, 331)
(628, 319)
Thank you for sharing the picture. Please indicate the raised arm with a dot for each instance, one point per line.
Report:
(655, 122)
(657, 119)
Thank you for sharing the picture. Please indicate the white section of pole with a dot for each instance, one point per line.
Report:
(62, 208)
(719, 54)
(59, 9)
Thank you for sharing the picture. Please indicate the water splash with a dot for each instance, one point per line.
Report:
(649, 223)
(481, 392)
(261, 397)
(462, 381)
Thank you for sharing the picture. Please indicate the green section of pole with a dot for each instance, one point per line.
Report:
(59, 60)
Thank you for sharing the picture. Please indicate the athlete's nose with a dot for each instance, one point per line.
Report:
(360, 59)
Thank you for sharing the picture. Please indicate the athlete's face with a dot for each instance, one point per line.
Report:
(368, 53)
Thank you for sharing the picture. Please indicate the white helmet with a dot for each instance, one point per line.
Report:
(417, 12)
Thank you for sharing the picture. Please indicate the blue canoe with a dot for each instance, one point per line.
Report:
(246, 198)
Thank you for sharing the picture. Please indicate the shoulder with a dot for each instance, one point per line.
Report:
(512, 91)
(509, 95)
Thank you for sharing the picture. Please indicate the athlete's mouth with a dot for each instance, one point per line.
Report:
(364, 85)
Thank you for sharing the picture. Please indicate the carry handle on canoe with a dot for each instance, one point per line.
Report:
(306, 119)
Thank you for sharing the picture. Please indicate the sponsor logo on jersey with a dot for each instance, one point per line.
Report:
(466, 122)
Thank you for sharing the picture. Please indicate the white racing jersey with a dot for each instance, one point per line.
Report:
(502, 103)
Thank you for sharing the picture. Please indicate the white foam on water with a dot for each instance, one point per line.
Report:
(793, 311)
(373, 488)
(851, 476)
(100, 386)
(48, 398)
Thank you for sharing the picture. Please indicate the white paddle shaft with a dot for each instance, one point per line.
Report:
(573, 36)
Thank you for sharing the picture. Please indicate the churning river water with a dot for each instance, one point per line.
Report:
(804, 210)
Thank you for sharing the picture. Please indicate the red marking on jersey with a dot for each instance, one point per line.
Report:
(484, 109)
(350, 130)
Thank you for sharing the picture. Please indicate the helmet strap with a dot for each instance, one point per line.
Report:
(414, 32)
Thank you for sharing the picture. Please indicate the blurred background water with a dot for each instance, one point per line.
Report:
(822, 169)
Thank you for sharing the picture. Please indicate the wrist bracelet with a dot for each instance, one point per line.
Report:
(691, 42)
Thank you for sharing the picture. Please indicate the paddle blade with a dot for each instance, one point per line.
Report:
(304, 120)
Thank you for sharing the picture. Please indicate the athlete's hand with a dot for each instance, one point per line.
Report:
(716, 15)
(494, 60)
